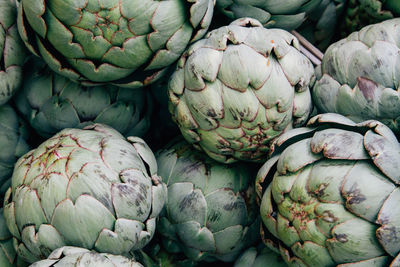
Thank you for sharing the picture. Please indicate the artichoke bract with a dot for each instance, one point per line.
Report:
(14, 134)
(359, 75)
(51, 103)
(128, 42)
(239, 88)
(89, 188)
(210, 211)
(334, 194)
(287, 15)
(320, 27)
(12, 51)
(74, 256)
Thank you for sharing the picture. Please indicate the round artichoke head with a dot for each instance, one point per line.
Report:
(13, 139)
(90, 188)
(239, 88)
(360, 75)
(330, 193)
(287, 15)
(74, 256)
(128, 42)
(12, 51)
(210, 211)
(51, 103)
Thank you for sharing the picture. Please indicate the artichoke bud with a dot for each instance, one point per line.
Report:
(90, 188)
(359, 76)
(334, 204)
(210, 213)
(128, 43)
(239, 88)
(51, 103)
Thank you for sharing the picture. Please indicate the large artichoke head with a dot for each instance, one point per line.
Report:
(210, 211)
(239, 88)
(13, 139)
(68, 256)
(12, 51)
(126, 42)
(51, 103)
(90, 188)
(286, 15)
(334, 195)
(360, 75)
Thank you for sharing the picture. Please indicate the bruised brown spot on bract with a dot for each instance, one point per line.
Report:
(213, 216)
(367, 87)
(329, 217)
(388, 234)
(354, 196)
(342, 238)
(233, 205)
(188, 201)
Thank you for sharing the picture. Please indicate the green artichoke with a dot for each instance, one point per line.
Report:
(126, 42)
(12, 51)
(334, 194)
(360, 13)
(210, 211)
(13, 139)
(89, 188)
(287, 15)
(51, 103)
(259, 256)
(360, 75)
(320, 27)
(239, 88)
(8, 255)
(74, 256)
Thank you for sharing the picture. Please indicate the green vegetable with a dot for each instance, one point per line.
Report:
(330, 193)
(236, 90)
(125, 42)
(89, 188)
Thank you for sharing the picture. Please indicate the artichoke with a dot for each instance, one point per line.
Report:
(360, 13)
(12, 51)
(360, 75)
(13, 139)
(210, 211)
(330, 193)
(51, 103)
(126, 42)
(287, 15)
(320, 27)
(239, 88)
(8, 255)
(74, 256)
(259, 256)
(89, 188)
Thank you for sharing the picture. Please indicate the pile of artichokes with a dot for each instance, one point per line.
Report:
(183, 133)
